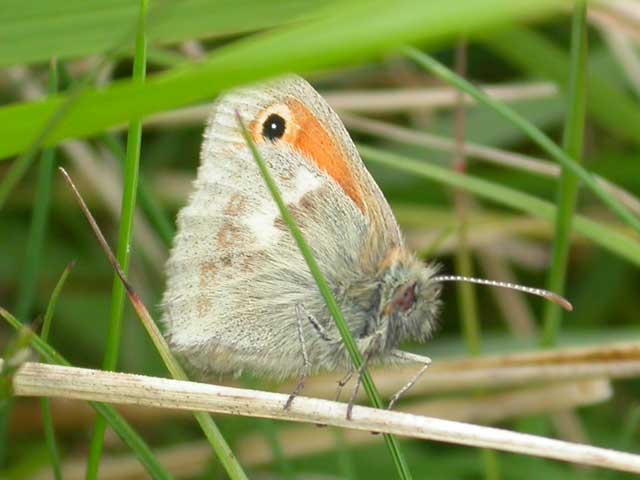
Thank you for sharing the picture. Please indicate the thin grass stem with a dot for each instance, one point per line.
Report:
(45, 407)
(213, 434)
(615, 241)
(132, 164)
(466, 291)
(37, 230)
(567, 192)
(157, 217)
(34, 379)
(35, 243)
(529, 129)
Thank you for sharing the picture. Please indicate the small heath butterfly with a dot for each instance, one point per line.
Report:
(239, 294)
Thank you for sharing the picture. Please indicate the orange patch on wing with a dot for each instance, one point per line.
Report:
(312, 140)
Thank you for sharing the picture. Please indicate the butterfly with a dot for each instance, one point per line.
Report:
(239, 294)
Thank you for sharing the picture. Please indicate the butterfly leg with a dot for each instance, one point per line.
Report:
(342, 382)
(367, 344)
(409, 357)
(322, 332)
(373, 340)
(356, 388)
(305, 357)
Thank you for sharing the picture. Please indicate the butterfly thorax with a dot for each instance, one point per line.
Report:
(397, 303)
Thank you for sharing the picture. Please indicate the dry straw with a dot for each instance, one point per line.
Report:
(34, 379)
(190, 459)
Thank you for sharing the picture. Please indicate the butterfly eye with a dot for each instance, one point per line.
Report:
(405, 297)
(273, 127)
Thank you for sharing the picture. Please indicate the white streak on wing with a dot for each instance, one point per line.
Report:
(305, 182)
(261, 223)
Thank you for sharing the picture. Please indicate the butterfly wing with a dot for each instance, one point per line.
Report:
(235, 274)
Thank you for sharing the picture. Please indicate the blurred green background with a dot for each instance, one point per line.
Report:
(519, 51)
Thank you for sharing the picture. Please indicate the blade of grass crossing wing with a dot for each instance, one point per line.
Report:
(374, 397)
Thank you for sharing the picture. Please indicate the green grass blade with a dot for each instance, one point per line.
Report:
(332, 305)
(442, 72)
(16, 172)
(304, 47)
(463, 260)
(608, 238)
(466, 293)
(269, 429)
(47, 420)
(28, 280)
(132, 164)
(117, 423)
(344, 455)
(150, 205)
(213, 434)
(37, 230)
(77, 28)
(608, 104)
(568, 183)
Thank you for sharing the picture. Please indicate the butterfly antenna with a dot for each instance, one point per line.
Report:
(546, 294)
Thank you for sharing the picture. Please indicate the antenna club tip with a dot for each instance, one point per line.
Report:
(561, 301)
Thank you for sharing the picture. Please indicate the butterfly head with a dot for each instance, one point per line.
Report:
(409, 298)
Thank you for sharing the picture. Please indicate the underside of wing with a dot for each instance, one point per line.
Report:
(235, 275)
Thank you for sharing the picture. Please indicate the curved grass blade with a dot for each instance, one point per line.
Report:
(35, 240)
(213, 434)
(305, 47)
(115, 421)
(543, 141)
(332, 305)
(608, 238)
(77, 28)
(609, 105)
(52, 118)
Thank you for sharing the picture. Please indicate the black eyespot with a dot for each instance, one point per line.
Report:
(273, 127)
(405, 297)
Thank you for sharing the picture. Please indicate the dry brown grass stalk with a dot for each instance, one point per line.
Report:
(481, 152)
(34, 379)
(191, 458)
(501, 371)
(388, 100)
